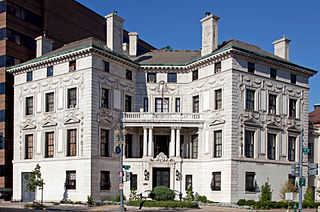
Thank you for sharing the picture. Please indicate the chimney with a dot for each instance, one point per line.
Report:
(281, 47)
(209, 33)
(114, 32)
(133, 43)
(44, 45)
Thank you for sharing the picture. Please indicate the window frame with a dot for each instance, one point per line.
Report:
(195, 75)
(29, 76)
(218, 101)
(128, 74)
(145, 104)
(292, 151)
(105, 98)
(249, 144)
(196, 104)
(217, 142)
(29, 108)
(128, 103)
(49, 107)
(217, 67)
(71, 184)
(272, 146)
(106, 66)
(194, 146)
(152, 76)
(273, 73)
(105, 143)
(249, 188)
(172, 77)
(72, 65)
(72, 102)
(272, 108)
(250, 102)
(188, 182)
(133, 181)
(178, 105)
(293, 78)
(162, 104)
(72, 144)
(28, 148)
(49, 71)
(251, 67)
(105, 183)
(216, 181)
(292, 108)
(49, 147)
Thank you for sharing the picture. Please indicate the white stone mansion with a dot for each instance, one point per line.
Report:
(224, 119)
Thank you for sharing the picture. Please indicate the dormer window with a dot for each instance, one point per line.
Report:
(251, 67)
(293, 78)
(217, 67)
(72, 65)
(29, 76)
(152, 77)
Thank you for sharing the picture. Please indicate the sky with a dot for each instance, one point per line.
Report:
(176, 23)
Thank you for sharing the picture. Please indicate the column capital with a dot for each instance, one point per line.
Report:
(178, 128)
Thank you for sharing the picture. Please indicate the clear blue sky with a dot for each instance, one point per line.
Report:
(176, 23)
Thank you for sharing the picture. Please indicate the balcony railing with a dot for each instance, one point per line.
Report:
(162, 117)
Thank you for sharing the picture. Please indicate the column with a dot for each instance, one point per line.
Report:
(145, 141)
(150, 144)
(172, 143)
(178, 142)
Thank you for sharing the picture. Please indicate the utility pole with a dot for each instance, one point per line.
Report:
(300, 169)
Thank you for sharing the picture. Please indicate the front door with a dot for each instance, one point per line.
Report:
(27, 196)
(161, 144)
(161, 177)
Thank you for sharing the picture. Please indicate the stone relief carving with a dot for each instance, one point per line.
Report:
(49, 122)
(161, 157)
(105, 116)
(252, 82)
(72, 118)
(28, 125)
(216, 120)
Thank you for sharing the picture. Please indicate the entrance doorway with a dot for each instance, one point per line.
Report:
(27, 196)
(161, 177)
(161, 144)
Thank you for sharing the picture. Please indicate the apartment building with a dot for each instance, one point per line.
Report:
(224, 119)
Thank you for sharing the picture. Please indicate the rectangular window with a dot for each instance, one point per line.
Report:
(273, 73)
(310, 154)
(49, 144)
(249, 99)
(217, 144)
(162, 105)
(2, 143)
(272, 104)
(293, 78)
(134, 182)
(250, 182)
(71, 179)
(28, 146)
(49, 71)
(106, 66)
(251, 67)
(2, 88)
(271, 146)
(50, 102)
(129, 146)
(172, 77)
(105, 183)
(152, 77)
(104, 143)
(292, 179)
(194, 144)
(249, 143)
(178, 105)
(105, 98)
(2, 115)
(72, 97)
(72, 142)
(128, 74)
(217, 67)
(188, 181)
(29, 76)
(194, 75)
(72, 65)
(145, 105)
(216, 181)
(128, 103)
(292, 108)
(218, 99)
(292, 148)
(29, 105)
(195, 104)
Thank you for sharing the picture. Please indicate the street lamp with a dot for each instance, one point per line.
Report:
(121, 139)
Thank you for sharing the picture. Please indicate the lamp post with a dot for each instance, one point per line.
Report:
(121, 139)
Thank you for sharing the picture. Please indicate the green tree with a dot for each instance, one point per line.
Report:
(35, 181)
(287, 188)
(190, 195)
(266, 193)
(308, 196)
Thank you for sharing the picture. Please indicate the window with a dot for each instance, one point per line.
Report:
(128, 103)
(172, 77)
(49, 102)
(29, 105)
(29, 76)
(72, 142)
(217, 67)
(128, 74)
(134, 182)
(250, 181)
(145, 105)
(28, 146)
(152, 77)
(217, 144)
(178, 105)
(249, 99)
(292, 108)
(49, 71)
(72, 97)
(49, 144)
(128, 146)
(188, 181)
(71, 180)
(105, 183)
(105, 98)
(194, 144)
(291, 148)
(106, 66)
(251, 67)
(272, 103)
(72, 65)
(216, 181)
(271, 146)
(310, 154)
(195, 105)
(292, 179)
(249, 143)
(273, 73)
(162, 105)
(2, 143)
(2, 115)
(2, 88)
(104, 143)
(218, 99)
(194, 75)
(293, 79)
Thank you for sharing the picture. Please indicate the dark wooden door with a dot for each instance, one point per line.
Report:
(161, 177)
(161, 144)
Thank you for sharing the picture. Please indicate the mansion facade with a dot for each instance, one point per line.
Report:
(224, 119)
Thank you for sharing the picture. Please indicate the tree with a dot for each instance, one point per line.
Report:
(288, 187)
(308, 196)
(35, 181)
(266, 193)
(190, 195)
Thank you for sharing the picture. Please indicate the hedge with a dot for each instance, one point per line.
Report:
(166, 204)
(274, 204)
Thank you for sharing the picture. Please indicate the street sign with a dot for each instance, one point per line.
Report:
(306, 150)
(126, 167)
(313, 166)
(289, 196)
(313, 172)
(302, 182)
(121, 186)
(294, 169)
(118, 150)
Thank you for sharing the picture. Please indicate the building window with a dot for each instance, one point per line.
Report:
(104, 143)
(217, 144)
(217, 67)
(133, 182)
(128, 104)
(249, 143)
(105, 98)
(2, 143)
(172, 77)
(128, 74)
(29, 105)
(195, 104)
(29, 76)
(72, 65)
(292, 179)
(49, 71)
(218, 99)
(250, 182)
(106, 66)
(129, 146)
(49, 144)
(310, 155)
(49, 102)
(188, 181)
(162, 105)
(72, 142)
(249, 99)
(72, 97)
(292, 108)
(145, 105)
(71, 180)
(273, 73)
(178, 105)
(216, 181)
(292, 148)
(194, 144)
(251, 67)
(293, 78)
(194, 75)
(105, 183)
(28, 146)
(272, 103)
(271, 146)
(152, 77)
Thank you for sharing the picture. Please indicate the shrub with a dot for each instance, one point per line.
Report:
(308, 196)
(242, 202)
(162, 193)
(34, 205)
(89, 200)
(266, 193)
(117, 199)
(202, 199)
(287, 188)
(190, 195)
(167, 204)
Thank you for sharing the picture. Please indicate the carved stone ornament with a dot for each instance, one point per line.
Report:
(105, 116)
(71, 119)
(215, 121)
(161, 158)
(28, 125)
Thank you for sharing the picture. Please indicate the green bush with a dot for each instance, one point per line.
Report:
(34, 205)
(167, 204)
(162, 193)
(190, 195)
(266, 193)
(89, 200)
(117, 199)
(202, 199)
(242, 202)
